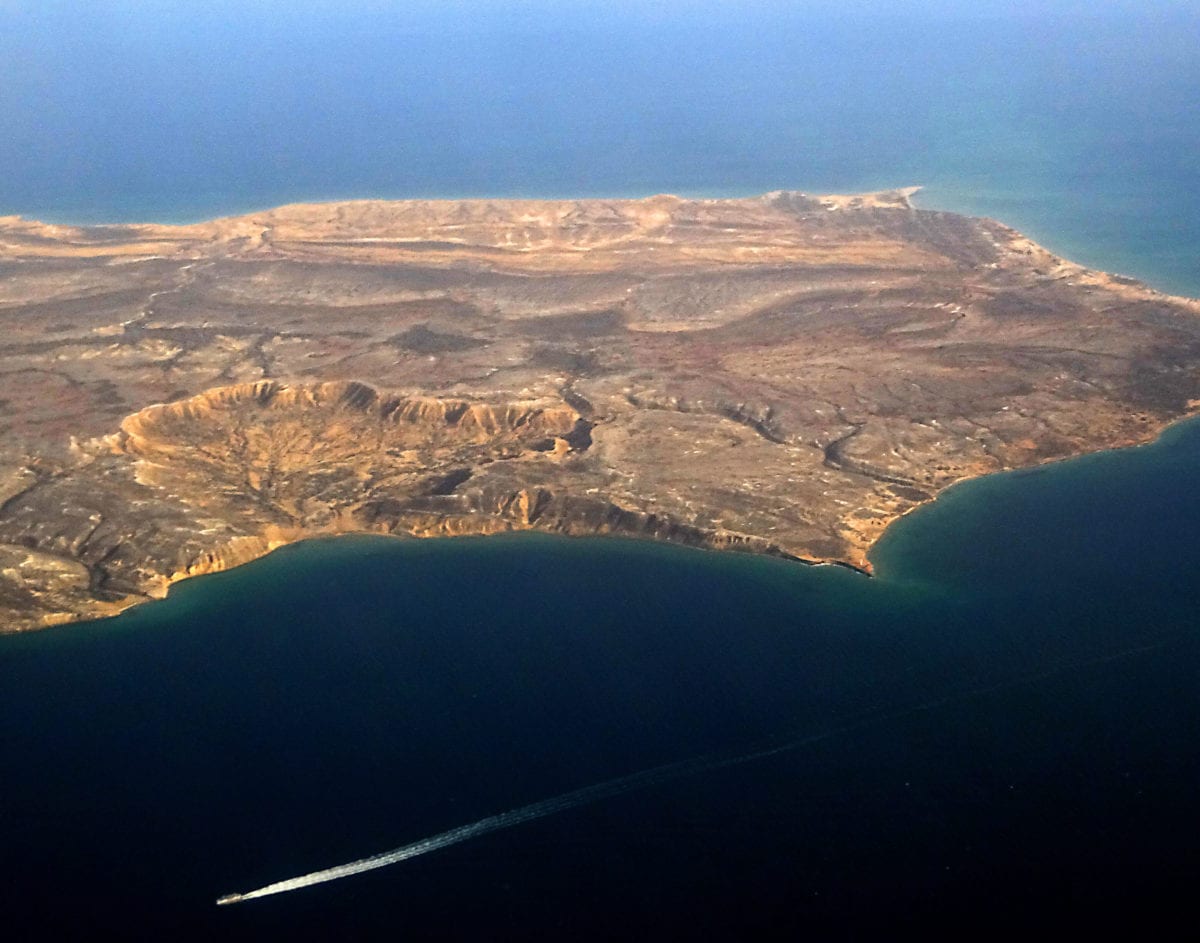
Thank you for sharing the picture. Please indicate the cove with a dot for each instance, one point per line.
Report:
(1026, 662)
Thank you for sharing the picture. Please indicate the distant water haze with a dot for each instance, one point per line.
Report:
(1028, 657)
(1077, 125)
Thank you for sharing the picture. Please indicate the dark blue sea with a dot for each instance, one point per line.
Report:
(999, 733)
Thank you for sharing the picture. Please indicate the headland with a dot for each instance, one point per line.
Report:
(786, 374)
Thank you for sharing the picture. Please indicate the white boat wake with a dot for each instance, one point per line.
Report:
(493, 823)
(644, 779)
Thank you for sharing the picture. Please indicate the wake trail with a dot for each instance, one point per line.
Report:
(657, 775)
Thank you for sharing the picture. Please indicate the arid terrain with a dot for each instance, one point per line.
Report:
(785, 374)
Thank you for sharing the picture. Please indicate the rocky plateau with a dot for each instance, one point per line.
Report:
(786, 374)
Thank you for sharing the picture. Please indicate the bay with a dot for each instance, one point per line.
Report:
(996, 733)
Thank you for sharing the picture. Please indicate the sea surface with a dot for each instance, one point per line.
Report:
(1078, 123)
(998, 732)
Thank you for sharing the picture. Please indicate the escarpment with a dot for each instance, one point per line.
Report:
(315, 456)
(785, 375)
(237, 471)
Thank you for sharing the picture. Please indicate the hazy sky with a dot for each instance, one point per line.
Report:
(180, 108)
(490, 12)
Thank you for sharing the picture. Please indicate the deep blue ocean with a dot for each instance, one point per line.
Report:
(998, 734)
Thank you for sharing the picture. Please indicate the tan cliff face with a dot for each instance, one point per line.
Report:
(784, 374)
(300, 458)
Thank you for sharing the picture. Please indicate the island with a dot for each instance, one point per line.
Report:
(785, 374)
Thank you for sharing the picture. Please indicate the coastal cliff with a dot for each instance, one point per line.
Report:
(785, 374)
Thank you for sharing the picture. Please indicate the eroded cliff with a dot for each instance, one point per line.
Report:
(785, 374)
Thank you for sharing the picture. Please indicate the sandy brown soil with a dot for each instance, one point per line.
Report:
(785, 374)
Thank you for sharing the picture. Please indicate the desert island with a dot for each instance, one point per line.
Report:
(786, 374)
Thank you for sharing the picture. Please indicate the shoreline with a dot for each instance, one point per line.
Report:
(53, 220)
(213, 240)
(1024, 470)
(872, 574)
(918, 195)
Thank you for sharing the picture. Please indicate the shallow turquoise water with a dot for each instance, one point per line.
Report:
(1000, 728)
(1078, 125)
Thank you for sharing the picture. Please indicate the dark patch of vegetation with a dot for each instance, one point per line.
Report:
(106, 393)
(567, 359)
(448, 483)
(1014, 304)
(580, 404)
(580, 438)
(574, 324)
(1163, 388)
(359, 396)
(910, 494)
(422, 339)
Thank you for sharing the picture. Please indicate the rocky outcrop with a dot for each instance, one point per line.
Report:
(250, 467)
(785, 374)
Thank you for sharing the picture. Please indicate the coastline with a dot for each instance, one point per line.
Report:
(1050, 463)
(961, 198)
(871, 574)
(225, 238)
(232, 214)
(942, 196)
